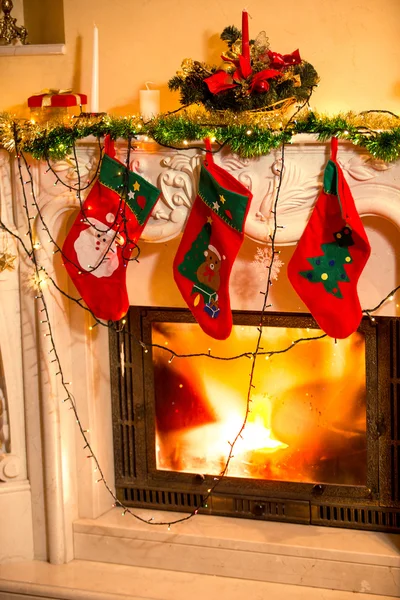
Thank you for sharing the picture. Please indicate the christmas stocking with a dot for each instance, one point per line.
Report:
(330, 256)
(99, 245)
(209, 246)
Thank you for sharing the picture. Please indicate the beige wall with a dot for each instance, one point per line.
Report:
(354, 45)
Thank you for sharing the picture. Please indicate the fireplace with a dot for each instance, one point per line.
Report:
(321, 445)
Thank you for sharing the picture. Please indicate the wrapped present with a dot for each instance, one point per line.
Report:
(212, 310)
(52, 104)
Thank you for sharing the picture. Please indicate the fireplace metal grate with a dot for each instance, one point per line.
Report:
(395, 408)
(384, 519)
(162, 498)
(140, 484)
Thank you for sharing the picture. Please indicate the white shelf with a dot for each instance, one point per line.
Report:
(32, 50)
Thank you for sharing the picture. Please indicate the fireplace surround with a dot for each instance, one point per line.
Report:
(51, 506)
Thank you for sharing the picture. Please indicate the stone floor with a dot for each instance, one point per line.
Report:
(81, 580)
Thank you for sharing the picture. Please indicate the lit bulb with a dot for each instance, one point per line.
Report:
(185, 143)
(249, 132)
(391, 298)
(213, 139)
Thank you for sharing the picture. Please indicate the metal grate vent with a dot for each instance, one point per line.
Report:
(395, 346)
(356, 517)
(165, 498)
(124, 417)
(394, 396)
(219, 504)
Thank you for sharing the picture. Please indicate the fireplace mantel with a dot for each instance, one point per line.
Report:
(39, 506)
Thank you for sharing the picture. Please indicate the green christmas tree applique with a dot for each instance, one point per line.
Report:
(328, 269)
(195, 256)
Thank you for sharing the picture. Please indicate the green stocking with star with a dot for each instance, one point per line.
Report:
(99, 245)
(209, 246)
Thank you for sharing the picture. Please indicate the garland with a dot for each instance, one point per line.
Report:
(249, 134)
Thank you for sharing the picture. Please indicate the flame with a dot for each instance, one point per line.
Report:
(307, 419)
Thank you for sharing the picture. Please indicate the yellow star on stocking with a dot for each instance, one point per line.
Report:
(136, 186)
(6, 261)
(222, 199)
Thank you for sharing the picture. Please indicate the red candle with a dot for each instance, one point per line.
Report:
(245, 37)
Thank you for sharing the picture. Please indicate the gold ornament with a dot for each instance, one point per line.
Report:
(9, 31)
(186, 69)
(228, 67)
(6, 261)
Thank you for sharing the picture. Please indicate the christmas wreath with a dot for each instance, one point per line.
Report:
(250, 77)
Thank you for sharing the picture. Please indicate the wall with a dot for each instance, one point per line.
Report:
(353, 44)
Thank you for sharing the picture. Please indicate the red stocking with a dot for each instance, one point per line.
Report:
(99, 245)
(209, 246)
(330, 256)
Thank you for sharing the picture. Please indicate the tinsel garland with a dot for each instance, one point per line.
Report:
(249, 134)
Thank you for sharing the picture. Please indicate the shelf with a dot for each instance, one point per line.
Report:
(32, 50)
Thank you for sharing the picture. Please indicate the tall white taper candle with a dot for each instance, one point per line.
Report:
(95, 72)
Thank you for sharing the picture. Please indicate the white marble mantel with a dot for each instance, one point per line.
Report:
(39, 504)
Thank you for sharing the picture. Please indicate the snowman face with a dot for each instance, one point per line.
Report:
(93, 247)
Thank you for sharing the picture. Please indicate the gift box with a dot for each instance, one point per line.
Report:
(212, 310)
(54, 104)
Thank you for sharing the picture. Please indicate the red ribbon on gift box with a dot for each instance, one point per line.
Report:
(56, 99)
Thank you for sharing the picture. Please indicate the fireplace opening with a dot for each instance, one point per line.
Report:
(308, 405)
(321, 444)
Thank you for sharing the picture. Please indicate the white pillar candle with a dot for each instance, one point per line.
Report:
(95, 72)
(149, 102)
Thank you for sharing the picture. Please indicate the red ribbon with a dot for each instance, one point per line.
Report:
(282, 61)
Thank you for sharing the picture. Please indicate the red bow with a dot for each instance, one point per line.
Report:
(222, 81)
(209, 273)
(282, 61)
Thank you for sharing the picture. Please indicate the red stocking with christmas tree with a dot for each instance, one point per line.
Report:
(99, 244)
(330, 256)
(209, 246)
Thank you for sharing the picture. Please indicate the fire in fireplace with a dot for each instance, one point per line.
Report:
(321, 444)
(308, 407)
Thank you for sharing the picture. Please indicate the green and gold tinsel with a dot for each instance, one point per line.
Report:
(249, 134)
